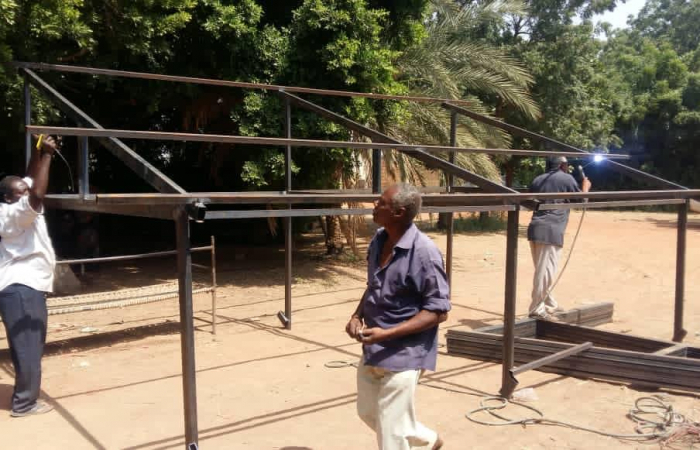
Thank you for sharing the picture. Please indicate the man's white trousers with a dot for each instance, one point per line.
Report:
(386, 403)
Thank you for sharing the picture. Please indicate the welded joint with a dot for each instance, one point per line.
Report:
(197, 211)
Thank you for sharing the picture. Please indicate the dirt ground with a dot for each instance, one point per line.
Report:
(262, 387)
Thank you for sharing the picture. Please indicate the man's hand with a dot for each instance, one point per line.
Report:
(374, 335)
(48, 145)
(353, 327)
(585, 184)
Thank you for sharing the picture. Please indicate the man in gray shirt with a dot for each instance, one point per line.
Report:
(546, 235)
(407, 296)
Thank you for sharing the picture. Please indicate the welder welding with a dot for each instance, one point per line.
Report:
(546, 235)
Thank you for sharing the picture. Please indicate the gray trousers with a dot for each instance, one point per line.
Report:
(23, 311)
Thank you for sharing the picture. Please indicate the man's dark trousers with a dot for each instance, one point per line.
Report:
(24, 313)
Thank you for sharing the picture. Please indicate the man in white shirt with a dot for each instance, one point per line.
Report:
(27, 264)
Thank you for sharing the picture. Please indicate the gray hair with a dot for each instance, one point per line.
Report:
(407, 196)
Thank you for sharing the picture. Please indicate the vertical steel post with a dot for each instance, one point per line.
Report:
(213, 286)
(27, 121)
(184, 269)
(451, 216)
(678, 331)
(288, 149)
(376, 170)
(510, 298)
(84, 163)
(288, 220)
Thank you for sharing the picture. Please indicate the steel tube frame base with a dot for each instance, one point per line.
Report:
(583, 352)
(189, 382)
(508, 389)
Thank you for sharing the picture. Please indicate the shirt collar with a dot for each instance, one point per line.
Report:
(406, 241)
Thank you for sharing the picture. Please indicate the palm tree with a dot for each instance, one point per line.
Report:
(452, 62)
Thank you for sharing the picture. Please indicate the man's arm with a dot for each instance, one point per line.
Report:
(38, 171)
(422, 321)
(356, 323)
(585, 184)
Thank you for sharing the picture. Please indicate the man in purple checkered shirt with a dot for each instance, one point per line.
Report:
(407, 296)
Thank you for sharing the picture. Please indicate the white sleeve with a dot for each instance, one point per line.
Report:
(17, 216)
(29, 181)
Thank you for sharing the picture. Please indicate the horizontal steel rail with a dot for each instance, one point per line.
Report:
(129, 257)
(253, 214)
(613, 204)
(517, 131)
(276, 197)
(227, 83)
(255, 140)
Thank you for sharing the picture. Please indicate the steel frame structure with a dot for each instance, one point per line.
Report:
(172, 202)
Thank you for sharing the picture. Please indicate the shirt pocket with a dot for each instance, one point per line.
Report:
(402, 294)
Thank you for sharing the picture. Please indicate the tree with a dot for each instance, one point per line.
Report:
(339, 44)
(673, 20)
(453, 61)
(660, 121)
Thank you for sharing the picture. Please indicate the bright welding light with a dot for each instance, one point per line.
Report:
(598, 158)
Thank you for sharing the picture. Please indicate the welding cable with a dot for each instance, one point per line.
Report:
(40, 141)
(649, 413)
(70, 172)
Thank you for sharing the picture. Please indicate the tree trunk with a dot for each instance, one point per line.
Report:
(510, 172)
(334, 236)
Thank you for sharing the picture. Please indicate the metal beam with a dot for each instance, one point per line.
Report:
(509, 387)
(376, 170)
(511, 285)
(89, 204)
(266, 213)
(213, 285)
(591, 316)
(276, 197)
(288, 236)
(136, 163)
(536, 364)
(226, 83)
(27, 121)
(189, 374)
(626, 366)
(450, 216)
(84, 165)
(130, 257)
(674, 350)
(419, 152)
(613, 204)
(678, 331)
(422, 189)
(381, 140)
(617, 167)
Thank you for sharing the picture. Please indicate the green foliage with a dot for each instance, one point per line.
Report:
(576, 96)
(662, 100)
(342, 44)
(453, 60)
(675, 21)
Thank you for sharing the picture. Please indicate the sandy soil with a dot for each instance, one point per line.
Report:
(262, 387)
